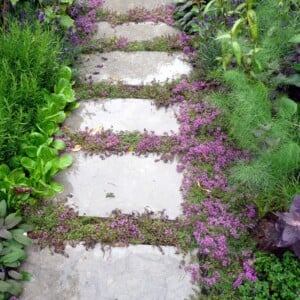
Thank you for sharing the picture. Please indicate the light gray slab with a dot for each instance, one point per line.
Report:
(136, 183)
(123, 6)
(134, 31)
(133, 273)
(123, 114)
(133, 68)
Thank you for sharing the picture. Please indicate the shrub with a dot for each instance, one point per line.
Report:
(29, 66)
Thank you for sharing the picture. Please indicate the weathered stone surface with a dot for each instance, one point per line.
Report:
(132, 273)
(96, 187)
(123, 114)
(134, 31)
(123, 6)
(133, 68)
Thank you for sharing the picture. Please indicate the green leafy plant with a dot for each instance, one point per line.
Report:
(31, 172)
(278, 278)
(13, 239)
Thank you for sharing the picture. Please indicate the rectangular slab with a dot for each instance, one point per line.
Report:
(133, 68)
(133, 273)
(96, 187)
(134, 31)
(123, 114)
(123, 6)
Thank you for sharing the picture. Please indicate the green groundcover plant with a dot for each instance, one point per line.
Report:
(278, 278)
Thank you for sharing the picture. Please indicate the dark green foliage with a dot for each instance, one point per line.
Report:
(28, 67)
(278, 278)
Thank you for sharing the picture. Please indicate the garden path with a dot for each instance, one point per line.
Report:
(95, 187)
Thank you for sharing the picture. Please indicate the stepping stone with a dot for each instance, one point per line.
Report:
(134, 31)
(122, 115)
(132, 273)
(96, 187)
(122, 6)
(134, 68)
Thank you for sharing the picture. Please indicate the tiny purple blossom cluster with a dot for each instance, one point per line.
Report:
(125, 226)
(85, 20)
(249, 273)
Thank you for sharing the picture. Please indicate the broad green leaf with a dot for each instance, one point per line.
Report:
(295, 39)
(46, 153)
(21, 238)
(57, 118)
(15, 287)
(26, 276)
(13, 2)
(57, 187)
(4, 286)
(14, 256)
(26, 227)
(64, 161)
(4, 170)
(3, 208)
(12, 220)
(5, 234)
(15, 275)
(66, 73)
(69, 94)
(66, 21)
(36, 138)
(73, 105)
(48, 127)
(61, 85)
(59, 145)
(31, 151)
(287, 107)
(15, 264)
(58, 100)
(28, 163)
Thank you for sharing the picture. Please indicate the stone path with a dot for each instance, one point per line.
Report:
(130, 183)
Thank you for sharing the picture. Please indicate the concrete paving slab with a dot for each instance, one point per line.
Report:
(134, 31)
(122, 6)
(123, 114)
(132, 273)
(96, 187)
(133, 68)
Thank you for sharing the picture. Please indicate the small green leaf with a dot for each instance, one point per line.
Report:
(46, 153)
(12, 220)
(26, 227)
